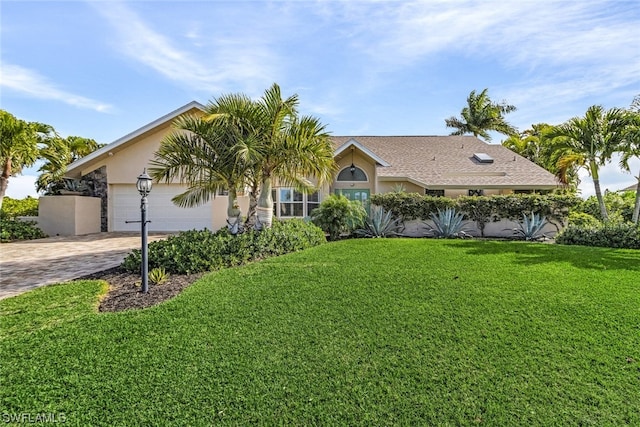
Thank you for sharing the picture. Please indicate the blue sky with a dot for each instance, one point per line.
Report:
(102, 69)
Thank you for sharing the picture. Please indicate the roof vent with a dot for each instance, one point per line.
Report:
(483, 157)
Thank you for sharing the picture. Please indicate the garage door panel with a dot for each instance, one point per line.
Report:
(163, 214)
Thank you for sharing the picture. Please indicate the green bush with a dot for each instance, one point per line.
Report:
(619, 205)
(337, 214)
(11, 230)
(199, 251)
(609, 235)
(481, 209)
(581, 219)
(12, 208)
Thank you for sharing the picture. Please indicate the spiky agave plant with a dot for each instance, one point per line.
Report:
(530, 228)
(380, 223)
(448, 224)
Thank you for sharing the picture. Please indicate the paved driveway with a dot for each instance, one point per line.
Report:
(34, 263)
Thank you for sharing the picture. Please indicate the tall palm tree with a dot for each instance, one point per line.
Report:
(289, 148)
(631, 148)
(203, 154)
(590, 141)
(481, 115)
(19, 146)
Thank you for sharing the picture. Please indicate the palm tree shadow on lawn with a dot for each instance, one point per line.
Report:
(538, 253)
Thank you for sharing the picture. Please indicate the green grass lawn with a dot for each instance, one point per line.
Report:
(359, 332)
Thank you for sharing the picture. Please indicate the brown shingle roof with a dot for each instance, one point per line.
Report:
(448, 161)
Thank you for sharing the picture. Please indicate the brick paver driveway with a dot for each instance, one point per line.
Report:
(34, 263)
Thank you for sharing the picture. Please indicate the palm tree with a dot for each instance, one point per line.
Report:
(590, 141)
(203, 154)
(58, 153)
(289, 148)
(535, 145)
(19, 146)
(481, 116)
(631, 148)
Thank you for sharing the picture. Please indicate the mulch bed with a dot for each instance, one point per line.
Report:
(124, 289)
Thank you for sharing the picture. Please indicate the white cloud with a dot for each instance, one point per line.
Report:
(31, 83)
(228, 59)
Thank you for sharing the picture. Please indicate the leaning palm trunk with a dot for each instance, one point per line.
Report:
(265, 204)
(636, 209)
(252, 218)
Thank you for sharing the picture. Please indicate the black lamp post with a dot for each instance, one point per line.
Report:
(144, 188)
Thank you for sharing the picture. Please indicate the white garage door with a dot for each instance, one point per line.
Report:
(163, 214)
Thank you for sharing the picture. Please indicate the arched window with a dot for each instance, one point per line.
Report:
(357, 174)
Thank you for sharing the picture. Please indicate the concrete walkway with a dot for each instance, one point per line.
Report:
(30, 264)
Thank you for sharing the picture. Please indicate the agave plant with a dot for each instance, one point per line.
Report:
(380, 223)
(448, 224)
(530, 228)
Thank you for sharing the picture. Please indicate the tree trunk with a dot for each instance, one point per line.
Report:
(254, 193)
(265, 203)
(596, 183)
(233, 212)
(636, 209)
(4, 178)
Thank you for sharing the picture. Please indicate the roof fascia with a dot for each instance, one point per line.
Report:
(365, 150)
(120, 141)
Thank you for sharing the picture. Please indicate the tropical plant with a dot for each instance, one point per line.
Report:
(203, 153)
(530, 228)
(337, 215)
(57, 154)
(287, 148)
(380, 223)
(590, 141)
(448, 224)
(535, 145)
(19, 146)
(158, 275)
(481, 116)
(610, 235)
(630, 148)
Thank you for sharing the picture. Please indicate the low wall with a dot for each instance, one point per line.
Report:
(501, 229)
(69, 215)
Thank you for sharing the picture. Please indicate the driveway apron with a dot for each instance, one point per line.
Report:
(30, 264)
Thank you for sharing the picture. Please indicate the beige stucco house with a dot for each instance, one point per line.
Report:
(447, 166)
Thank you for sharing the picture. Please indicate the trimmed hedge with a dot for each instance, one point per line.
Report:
(200, 251)
(609, 235)
(481, 209)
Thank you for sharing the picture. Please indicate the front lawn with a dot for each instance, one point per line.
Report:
(359, 332)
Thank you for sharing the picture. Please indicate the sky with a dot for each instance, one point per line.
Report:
(102, 69)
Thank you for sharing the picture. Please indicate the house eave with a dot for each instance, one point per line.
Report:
(75, 168)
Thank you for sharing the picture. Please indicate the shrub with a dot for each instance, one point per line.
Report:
(200, 251)
(610, 235)
(11, 230)
(337, 214)
(448, 224)
(380, 223)
(619, 205)
(581, 219)
(12, 208)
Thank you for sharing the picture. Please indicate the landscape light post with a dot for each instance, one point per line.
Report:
(144, 188)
